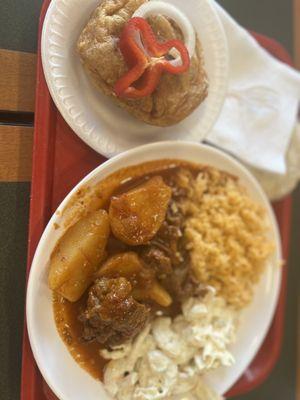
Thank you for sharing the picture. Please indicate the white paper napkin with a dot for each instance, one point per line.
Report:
(276, 186)
(260, 112)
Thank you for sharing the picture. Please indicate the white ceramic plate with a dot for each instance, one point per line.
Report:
(95, 118)
(62, 373)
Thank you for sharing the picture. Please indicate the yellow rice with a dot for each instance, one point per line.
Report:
(226, 233)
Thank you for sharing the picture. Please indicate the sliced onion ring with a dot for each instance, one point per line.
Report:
(172, 12)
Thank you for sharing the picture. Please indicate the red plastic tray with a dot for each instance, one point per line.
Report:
(60, 161)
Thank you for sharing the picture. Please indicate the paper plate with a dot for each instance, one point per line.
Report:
(64, 376)
(94, 117)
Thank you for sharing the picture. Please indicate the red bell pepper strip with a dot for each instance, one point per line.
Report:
(146, 59)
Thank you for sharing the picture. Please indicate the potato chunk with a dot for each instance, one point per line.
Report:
(77, 283)
(78, 255)
(144, 283)
(155, 292)
(123, 264)
(136, 216)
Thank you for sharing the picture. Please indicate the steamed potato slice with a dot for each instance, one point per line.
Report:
(124, 264)
(78, 254)
(136, 216)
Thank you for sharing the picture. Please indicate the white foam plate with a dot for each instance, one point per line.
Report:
(67, 380)
(94, 117)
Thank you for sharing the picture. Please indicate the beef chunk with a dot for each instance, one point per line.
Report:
(164, 251)
(167, 240)
(158, 261)
(112, 315)
(167, 256)
(183, 284)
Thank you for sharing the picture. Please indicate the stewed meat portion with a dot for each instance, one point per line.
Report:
(112, 315)
(157, 260)
(165, 254)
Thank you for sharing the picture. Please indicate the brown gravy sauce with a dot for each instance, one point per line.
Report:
(70, 330)
(66, 313)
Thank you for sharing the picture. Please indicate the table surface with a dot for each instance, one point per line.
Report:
(18, 36)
